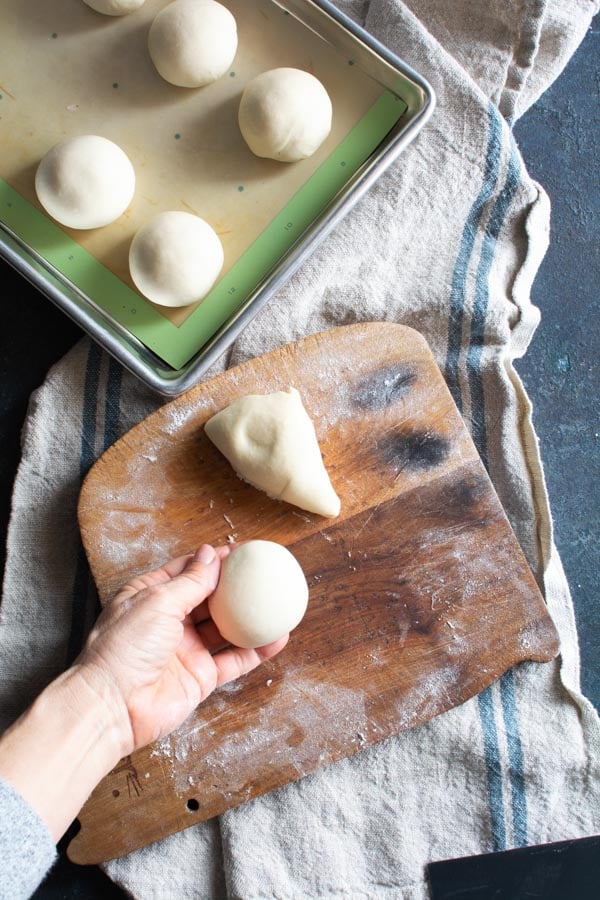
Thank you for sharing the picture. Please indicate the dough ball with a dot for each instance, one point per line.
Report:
(271, 443)
(285, 114)
(261, 595)
(175, 259)
(85, 182)
(193, 42)
(114, 7)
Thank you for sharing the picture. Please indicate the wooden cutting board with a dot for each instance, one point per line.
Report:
(420, 596)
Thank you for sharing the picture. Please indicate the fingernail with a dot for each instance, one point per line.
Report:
(205, 555)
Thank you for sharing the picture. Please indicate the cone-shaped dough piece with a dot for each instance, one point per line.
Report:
(271, 443)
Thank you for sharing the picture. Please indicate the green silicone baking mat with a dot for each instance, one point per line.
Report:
(65, 70)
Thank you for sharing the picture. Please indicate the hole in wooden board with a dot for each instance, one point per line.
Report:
(193, 805)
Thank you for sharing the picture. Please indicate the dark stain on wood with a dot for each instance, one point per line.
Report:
(416, 450)
(465, 500)
(384, 387)
(468, 492)
(295, 737)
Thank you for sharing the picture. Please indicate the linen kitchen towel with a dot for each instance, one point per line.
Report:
(448, 242)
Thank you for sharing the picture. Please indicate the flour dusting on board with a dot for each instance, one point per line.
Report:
(423, 701)
(288, 732)
(421, 600)
(143, 509)
(129, 539)
(356, 385)
(175, 415)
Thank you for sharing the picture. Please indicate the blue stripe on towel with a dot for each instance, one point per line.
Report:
(81, 614)
(461, 267)
(112, 413)
(90, 405)
(112, 403)
(515, 758)
(482, 297)
(86, 459)
(494, 768)
(455, 327)
(474, 353)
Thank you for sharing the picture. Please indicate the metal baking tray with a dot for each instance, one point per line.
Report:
(65, 70)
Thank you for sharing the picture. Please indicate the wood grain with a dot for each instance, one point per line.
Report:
(420, 595)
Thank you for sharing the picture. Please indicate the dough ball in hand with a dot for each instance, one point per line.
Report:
(114, 7)
(285, 114)
(271, 443)
(193, 42)
(175, 259)
(85, 182)
(262, 594)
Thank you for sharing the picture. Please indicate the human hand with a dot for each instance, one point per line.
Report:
(152, 656)
(158, 652)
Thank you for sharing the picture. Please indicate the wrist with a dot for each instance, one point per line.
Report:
(75, 726)
(93, 689)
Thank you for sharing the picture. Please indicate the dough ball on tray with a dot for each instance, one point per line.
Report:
(85, 182)
(175, 259)
(114, 7)
(285, 114)
(193, 42)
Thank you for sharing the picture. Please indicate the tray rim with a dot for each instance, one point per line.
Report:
(128, 349)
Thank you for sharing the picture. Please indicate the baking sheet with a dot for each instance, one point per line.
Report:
(65, 70)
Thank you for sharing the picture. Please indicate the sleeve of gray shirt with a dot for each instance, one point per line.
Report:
(27, 850)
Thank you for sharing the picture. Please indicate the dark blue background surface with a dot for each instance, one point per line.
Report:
(560, 141)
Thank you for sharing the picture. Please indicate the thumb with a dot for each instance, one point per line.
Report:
(196, 582)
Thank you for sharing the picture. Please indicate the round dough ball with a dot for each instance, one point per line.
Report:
(285, 114)
(114, 7)
(175, 259)
(85, 182)
(261, 595)
(193, 42)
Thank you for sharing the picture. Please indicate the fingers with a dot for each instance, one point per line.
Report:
(166, 573)
(213, 662)
(210, 635)
(195, 583)
(234, 662)
(272, 649)
(224, 551)
(162, 575)
(200, 614)
(214, 641)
